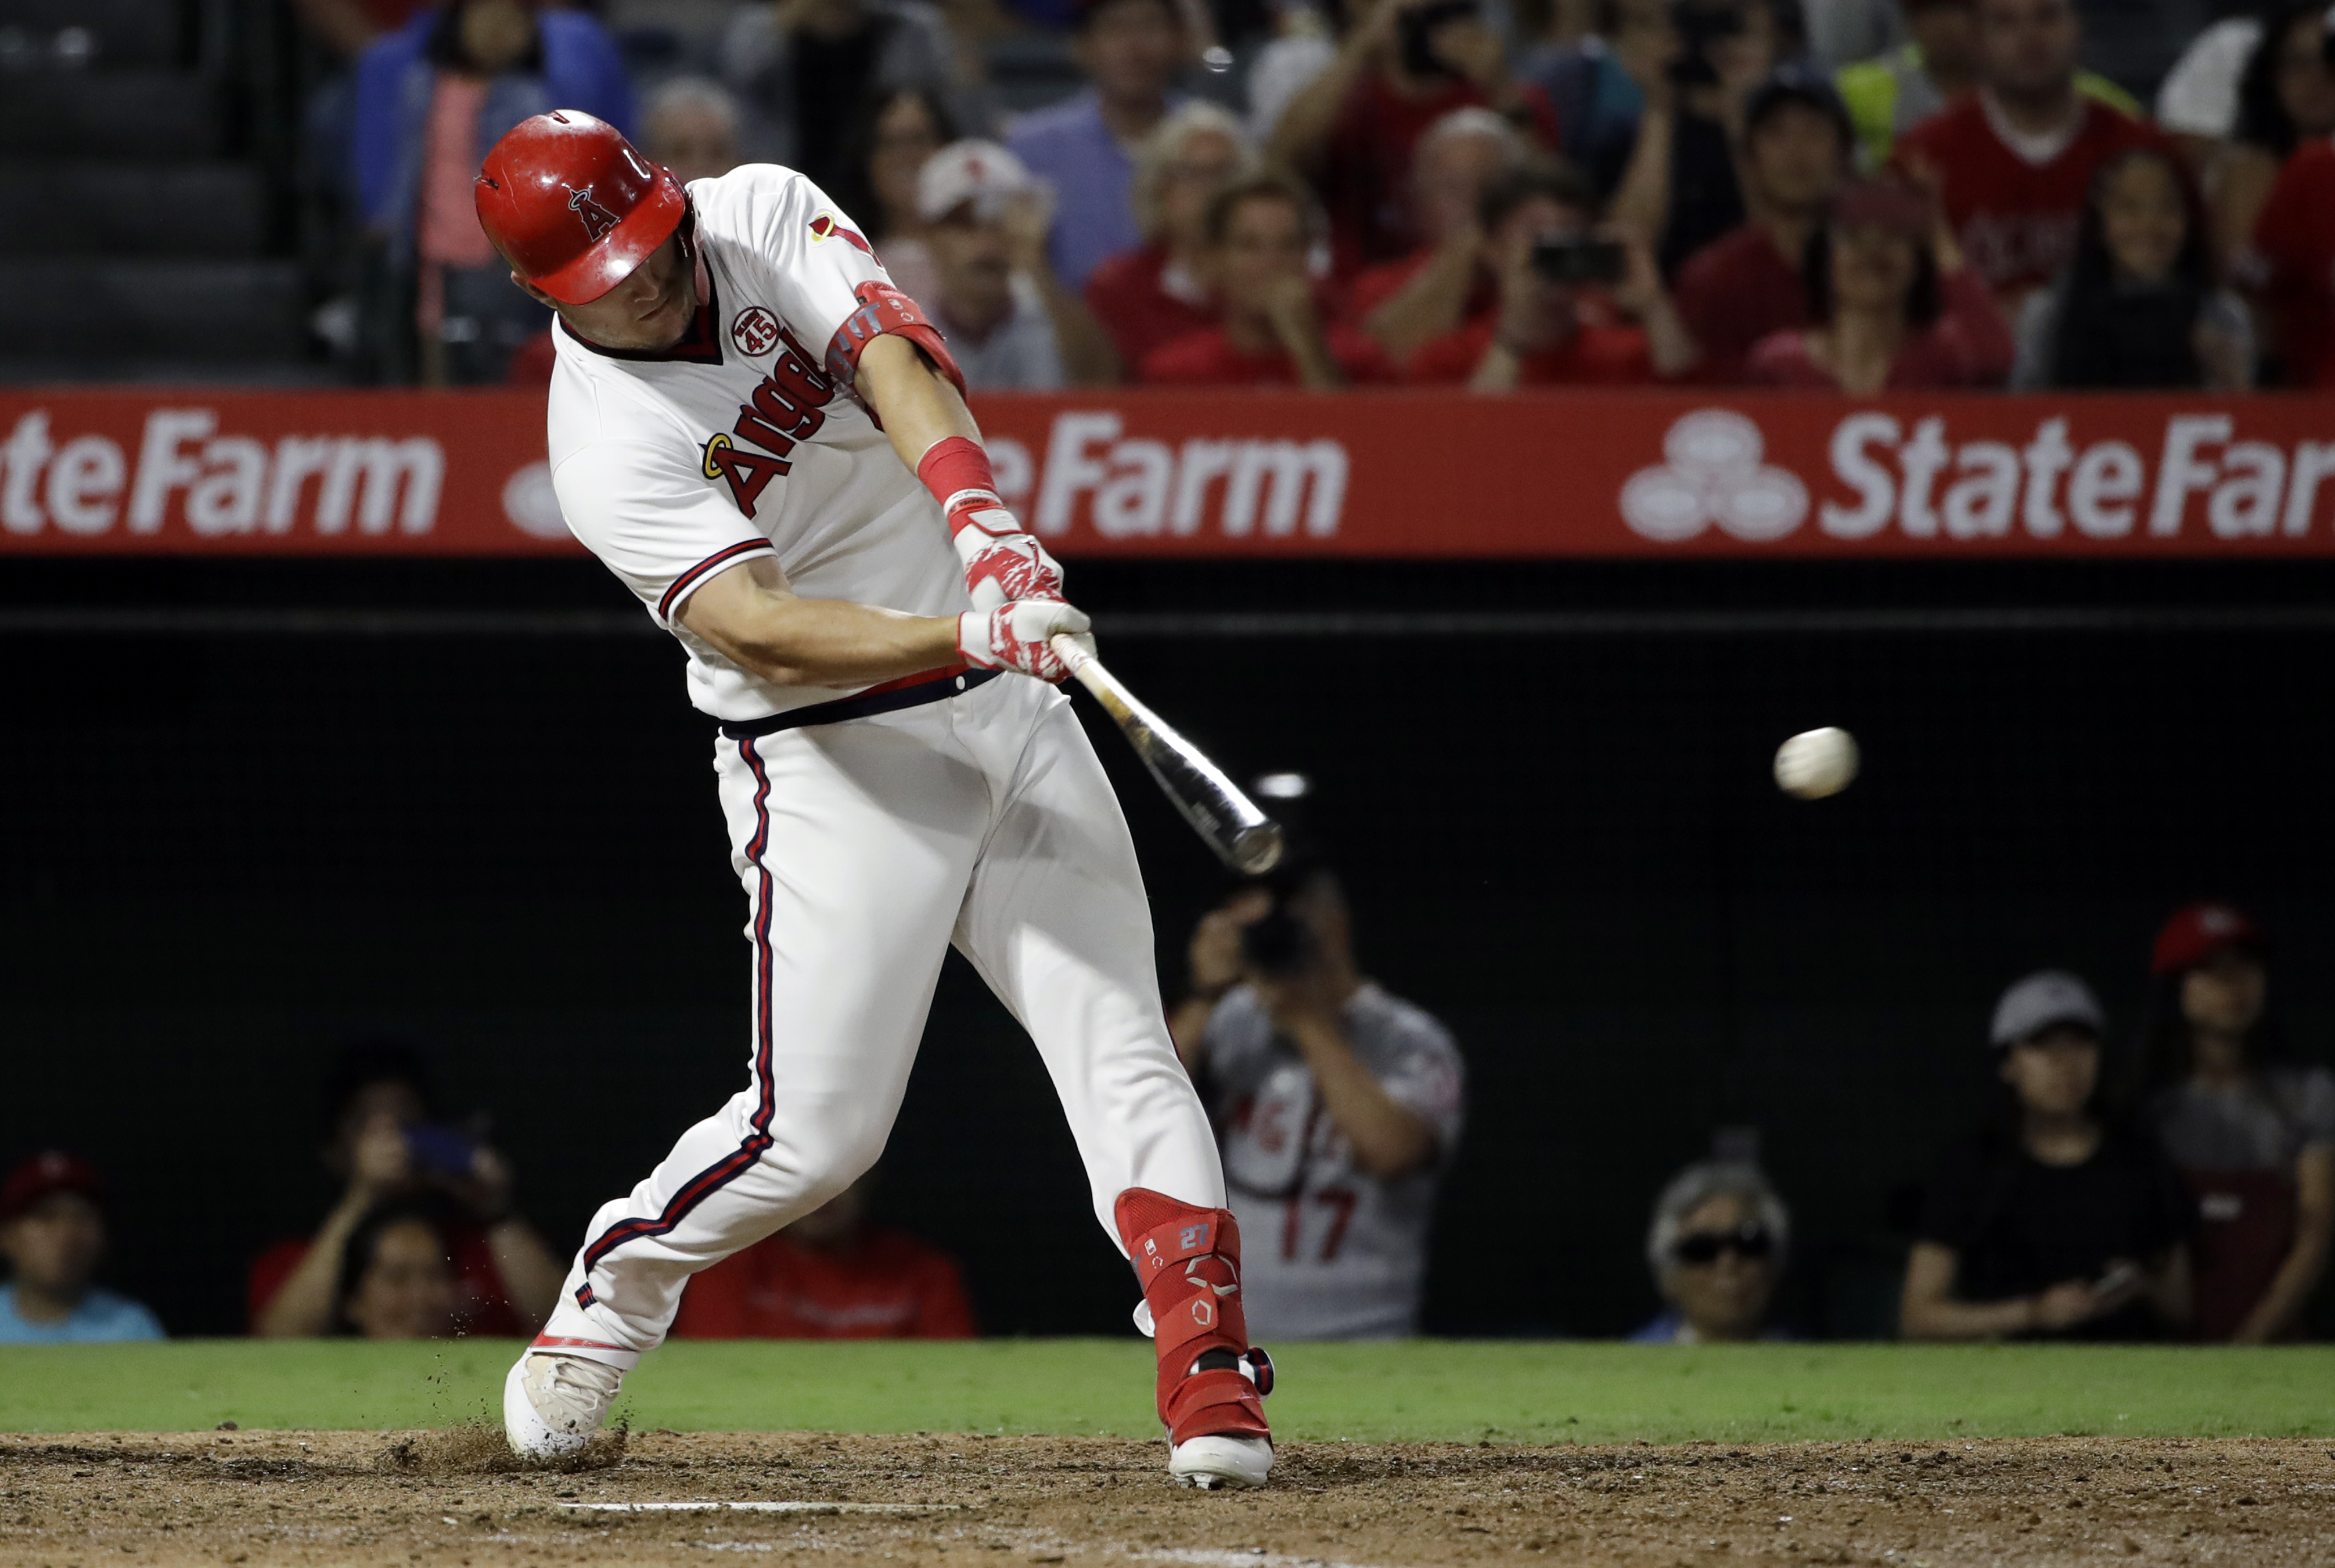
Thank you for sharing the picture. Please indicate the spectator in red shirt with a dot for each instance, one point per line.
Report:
(1544, 330)
(2014, 159)
(387, 1147)
(831, 1275)
(1402, 303)
(2293, 265)
(1261, 232)
(1148, 298)
(1896, 309)
(1796, 145)
(1354, 127)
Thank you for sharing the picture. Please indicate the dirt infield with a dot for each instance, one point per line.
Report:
(452, 1499)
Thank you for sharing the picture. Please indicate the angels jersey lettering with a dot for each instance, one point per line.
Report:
(736, 443)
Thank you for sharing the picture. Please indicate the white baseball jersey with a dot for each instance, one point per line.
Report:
(672, 467)
(1328, 1252)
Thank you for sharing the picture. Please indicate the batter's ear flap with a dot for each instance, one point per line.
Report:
(884, 309)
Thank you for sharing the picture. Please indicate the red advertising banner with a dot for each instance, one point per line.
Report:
(1229, 474)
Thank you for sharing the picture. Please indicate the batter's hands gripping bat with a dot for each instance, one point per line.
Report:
(1242, 837)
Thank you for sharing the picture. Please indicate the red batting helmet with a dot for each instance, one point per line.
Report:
(573, 206)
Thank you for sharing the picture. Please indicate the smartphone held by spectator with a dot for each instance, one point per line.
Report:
(400, 1163)
(2053, 1223)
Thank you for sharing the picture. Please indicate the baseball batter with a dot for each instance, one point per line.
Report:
(765, 441)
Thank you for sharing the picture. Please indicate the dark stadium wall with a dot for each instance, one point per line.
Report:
(221, 853)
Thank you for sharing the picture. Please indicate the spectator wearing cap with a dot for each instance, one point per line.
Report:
(1895, 308)
(1131, 52)
(53, 1236)
(1012, 326)
(1717, 1247)
(804, 67)
(1148, 298)
(1445, 281)
(388, 1145)
(1747, 284)
(2252, 1131)
(1548, 327)
(1260, 231)
(1892, 92)
(2012, 161)
(2051, 1223)
(831, 1275)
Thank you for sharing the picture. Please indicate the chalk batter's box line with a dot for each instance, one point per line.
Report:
(774, 1507)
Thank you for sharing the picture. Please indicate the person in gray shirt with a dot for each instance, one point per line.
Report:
(1337, 1106)
(2253, 1135)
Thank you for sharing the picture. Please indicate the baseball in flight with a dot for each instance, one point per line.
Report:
(1816, 763)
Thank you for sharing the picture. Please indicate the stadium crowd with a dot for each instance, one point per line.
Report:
(1848, 194)
(2183, 1189)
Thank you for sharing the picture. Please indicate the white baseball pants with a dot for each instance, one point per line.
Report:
(867, 846)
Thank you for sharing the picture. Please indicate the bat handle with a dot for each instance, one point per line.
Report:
(1083, 666)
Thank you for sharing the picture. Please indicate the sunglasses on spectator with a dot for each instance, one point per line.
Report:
(1747, 1241)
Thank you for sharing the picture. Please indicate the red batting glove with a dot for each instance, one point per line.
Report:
(1002, 564)
(1020, 637)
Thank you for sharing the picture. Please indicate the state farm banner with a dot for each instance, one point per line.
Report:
(1237, 474)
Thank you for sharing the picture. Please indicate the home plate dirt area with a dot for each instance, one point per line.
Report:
(453, 1498)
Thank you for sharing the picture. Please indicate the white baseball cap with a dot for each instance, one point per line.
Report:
(981, 172)
(2042, 1000)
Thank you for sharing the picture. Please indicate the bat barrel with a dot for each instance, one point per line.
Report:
(1257, 849)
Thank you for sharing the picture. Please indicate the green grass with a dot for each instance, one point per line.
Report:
(1428, 1389)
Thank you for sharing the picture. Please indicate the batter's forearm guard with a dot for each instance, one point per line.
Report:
(884, 309)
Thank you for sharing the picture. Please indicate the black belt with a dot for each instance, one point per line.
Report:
(865, 705)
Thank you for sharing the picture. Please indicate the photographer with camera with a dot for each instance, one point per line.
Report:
(388, 1145)
(1353, 131)
(1337, 1107)
(1682, 185)
(1561, 281)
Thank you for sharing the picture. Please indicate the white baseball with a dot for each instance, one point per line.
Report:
(1816, 763)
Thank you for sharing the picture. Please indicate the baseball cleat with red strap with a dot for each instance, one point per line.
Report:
(1212, 1380)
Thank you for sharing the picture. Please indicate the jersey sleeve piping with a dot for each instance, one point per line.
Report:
(677, 595)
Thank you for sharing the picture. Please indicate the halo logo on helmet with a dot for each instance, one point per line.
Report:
(598, 219)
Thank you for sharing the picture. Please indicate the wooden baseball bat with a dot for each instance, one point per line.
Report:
(1226, 820)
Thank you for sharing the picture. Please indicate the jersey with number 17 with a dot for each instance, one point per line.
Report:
(736, 442)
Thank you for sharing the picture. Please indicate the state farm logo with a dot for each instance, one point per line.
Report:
(755, 332)
(1714, 474)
